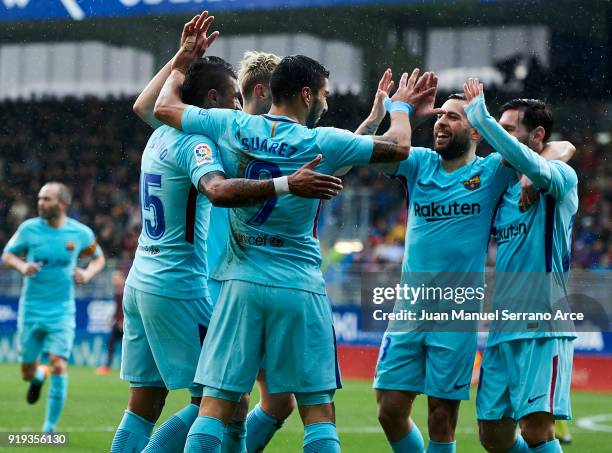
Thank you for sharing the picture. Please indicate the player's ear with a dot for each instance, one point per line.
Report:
(260, 92)
(475, 135)
(538, 134)
(307, 95)
(213, 97)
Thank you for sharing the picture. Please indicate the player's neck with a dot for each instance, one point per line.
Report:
(57, 222)
(289, 111)
(250, 107)
(450, 165)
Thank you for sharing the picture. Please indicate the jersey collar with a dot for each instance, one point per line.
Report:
(283, 119)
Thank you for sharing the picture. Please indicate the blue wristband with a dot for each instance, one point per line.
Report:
(387, 103)
(401, 106)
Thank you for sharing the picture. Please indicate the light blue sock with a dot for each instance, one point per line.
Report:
(234, 440)
(39, 375)
(441, 447)
(56, 397)
(321, 438)
(411, 443)
(132, 434)
(552, 446)
(172, 434)
(260, 427)
(205, 436)
(520, 446)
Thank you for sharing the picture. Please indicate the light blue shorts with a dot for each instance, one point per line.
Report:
(438, 364)
(40, 338)
(520, 377)
(289, 332)
(162, 339)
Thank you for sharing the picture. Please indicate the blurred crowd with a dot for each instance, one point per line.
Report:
(94, 146)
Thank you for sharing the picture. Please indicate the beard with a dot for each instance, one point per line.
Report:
(455, 148)
(49, 213)
(314, 115)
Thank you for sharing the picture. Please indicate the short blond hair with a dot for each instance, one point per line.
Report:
(256, 67)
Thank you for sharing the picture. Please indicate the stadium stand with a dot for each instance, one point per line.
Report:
(94, 146)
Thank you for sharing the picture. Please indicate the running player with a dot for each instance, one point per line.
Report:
(51, 244)
(526, 370)
(272, 279)
(166, 303)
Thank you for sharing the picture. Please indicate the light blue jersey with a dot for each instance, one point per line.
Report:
(48, 296)
(218, 237)
(170, 259)
(450, 214)
(275, 243)
(533, 247)
(449, 222)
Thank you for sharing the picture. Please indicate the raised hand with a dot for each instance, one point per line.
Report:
(385, 85)
(307, 183)
(426, 106)
(196, 41)
(413, 89)
(189, 28)
(472, 89)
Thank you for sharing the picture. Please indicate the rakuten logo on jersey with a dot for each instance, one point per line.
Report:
(433, 212)
(504, 234)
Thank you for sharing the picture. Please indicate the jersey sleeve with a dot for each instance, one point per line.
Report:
(342, 148)
(199, 156)
(521, 157)
(408, 168)
(502, 174)
(18, 244)
(89, 246)
(210, 122)
(563, 179)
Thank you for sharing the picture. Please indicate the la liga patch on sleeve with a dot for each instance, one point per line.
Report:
(203, 154)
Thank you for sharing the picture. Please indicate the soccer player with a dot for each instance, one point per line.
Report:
(45, 250)
(452, 199)
(166, 303)
(272, 308)
(269, 414)
(526, 370)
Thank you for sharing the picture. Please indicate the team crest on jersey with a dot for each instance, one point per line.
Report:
(70, 246)
(203, 154)
(473, 183)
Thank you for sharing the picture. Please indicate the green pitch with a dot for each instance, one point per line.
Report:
(96, 403)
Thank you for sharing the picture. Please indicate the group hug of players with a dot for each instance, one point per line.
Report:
(262, 312)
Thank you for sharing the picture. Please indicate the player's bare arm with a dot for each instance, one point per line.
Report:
(26, 269)
(169, 106)
(83, 276)
(237, 192)
(144, 105)
(395, 144)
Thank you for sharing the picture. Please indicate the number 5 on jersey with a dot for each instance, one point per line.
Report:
(155, 229)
